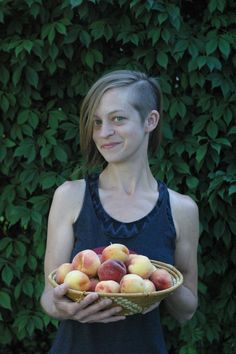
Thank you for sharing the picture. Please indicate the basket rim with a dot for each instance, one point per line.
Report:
(169, 267)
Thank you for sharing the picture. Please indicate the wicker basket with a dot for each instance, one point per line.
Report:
(131, 303)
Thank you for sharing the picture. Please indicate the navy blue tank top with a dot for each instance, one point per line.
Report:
(153, 236)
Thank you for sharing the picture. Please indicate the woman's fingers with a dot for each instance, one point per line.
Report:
(65, 307)
(60, 291)
(87, 310)
(88, 300)
(100, 311)
(103, 315)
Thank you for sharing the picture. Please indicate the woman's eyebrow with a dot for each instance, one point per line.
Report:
(110, 113)
(116, 111)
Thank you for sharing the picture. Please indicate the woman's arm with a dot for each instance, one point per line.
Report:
(65, 208)
(59, 238)
(182, 304)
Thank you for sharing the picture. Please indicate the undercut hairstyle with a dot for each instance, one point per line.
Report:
(146, 96)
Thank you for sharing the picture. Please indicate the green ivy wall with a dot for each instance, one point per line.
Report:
(50, 53)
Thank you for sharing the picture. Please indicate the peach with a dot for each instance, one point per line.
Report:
(61, 272)
(130, 257)
(77, 280)
(161, 278)
(132, 283)
(115, 251)
(87, 261)
(107, 286)
(93, 283)
(140, 265)
(112, 269)
(149, 286)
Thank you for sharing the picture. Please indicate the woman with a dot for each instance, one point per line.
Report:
(120, 123)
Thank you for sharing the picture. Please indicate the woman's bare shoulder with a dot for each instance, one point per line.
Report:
(181, 201)
(70, 196)
(69, 188)
(184, 211)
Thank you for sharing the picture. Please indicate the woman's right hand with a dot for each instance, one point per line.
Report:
(87, 310)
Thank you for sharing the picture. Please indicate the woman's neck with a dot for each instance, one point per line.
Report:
(128, 178)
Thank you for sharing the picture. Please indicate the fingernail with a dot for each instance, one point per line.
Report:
(118, 309)
(108, 302)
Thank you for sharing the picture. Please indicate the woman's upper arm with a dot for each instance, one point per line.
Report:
(65, 207)
(186, 218)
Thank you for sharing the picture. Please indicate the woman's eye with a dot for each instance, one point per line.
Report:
(97, 122)
(119, 119)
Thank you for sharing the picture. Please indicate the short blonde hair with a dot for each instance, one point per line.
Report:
(147, 97)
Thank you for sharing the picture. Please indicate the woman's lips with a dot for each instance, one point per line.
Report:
(109, 145)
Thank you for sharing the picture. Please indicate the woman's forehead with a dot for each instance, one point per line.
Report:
(115, 100)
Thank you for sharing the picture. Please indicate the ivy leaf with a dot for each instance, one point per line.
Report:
(193, 49)
(232, 189)
(201, 61)
(7, 275)
(212, 5)
(60, 28)
(5, 76)
(75, 3)
(192, 182)
(201, 152)
(32, 262)
(4, 242)
(85, 38)
(60, 153)
(32, 76)
(181, 46)
(154, 35)
(223, 141)
(28, 45)
(199, 124)
(162, 17)
(214, 63)
(224, 46)
(51, 34)
(212, 130)
(23, 116)
(211, 45)
(26, 149)
(97, 29)
(162, 59)
(89, 59)
(48, 180)
(232, 130)
(182, 167)
(33, 119)
(5, 300)
(28, 288)
(98, 57)
(4, 103)
(17, 72)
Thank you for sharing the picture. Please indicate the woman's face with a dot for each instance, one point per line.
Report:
(118, 132)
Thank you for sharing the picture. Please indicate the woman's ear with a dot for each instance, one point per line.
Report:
(151, 121)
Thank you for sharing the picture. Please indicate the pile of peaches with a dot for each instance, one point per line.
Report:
(115, 270)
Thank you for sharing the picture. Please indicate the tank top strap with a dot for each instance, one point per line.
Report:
(165, 201)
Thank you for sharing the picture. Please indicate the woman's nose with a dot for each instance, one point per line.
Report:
(106, 130)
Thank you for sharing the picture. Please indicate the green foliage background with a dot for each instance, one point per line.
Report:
(50, 53)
